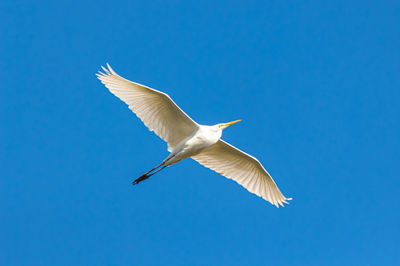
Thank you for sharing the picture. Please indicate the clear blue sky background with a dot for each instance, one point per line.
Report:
(316, 83)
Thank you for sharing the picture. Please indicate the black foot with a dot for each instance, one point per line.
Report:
(140, 179)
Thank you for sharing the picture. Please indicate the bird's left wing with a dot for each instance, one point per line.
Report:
(155, 108)
(243, 168)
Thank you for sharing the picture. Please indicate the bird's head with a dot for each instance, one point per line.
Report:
(225, 125)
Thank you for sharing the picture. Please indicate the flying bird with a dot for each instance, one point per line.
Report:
(186, 138)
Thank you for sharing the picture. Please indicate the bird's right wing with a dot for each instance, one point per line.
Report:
(235, 164)
(155, 108)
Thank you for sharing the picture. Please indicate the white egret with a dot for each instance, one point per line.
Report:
(186, 138)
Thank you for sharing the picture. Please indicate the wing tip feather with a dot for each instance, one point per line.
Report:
(282, 201)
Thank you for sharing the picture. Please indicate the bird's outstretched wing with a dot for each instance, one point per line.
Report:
(156, 109)
(243, 168)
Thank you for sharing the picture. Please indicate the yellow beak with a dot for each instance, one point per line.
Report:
(231, 123)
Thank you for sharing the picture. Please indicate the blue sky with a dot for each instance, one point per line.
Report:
(315, 82)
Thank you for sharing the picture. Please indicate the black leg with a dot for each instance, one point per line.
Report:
(152, 169)
(140, 179)
(147, 175)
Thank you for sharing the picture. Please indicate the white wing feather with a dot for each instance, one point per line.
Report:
(156, 109)
(243, 168)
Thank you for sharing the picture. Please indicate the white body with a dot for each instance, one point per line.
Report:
(186, 138)
(204, 137)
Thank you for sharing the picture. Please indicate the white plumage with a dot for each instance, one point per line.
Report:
(186, 138)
